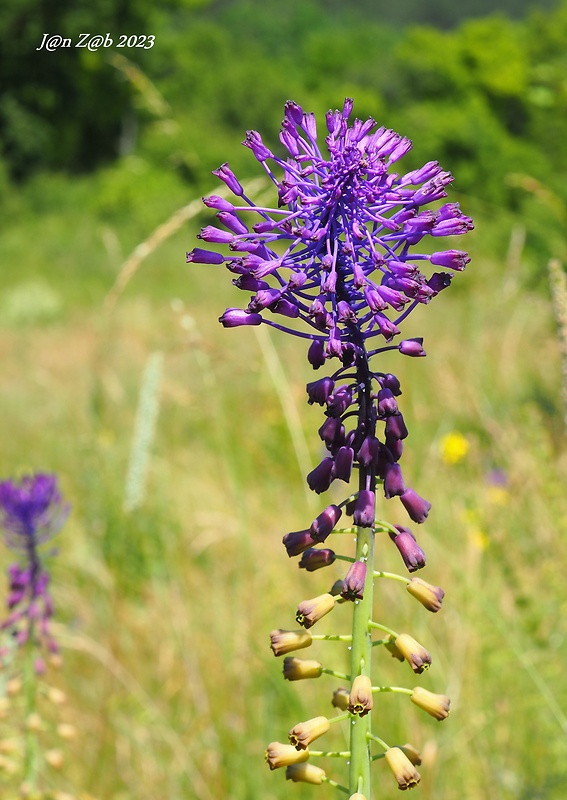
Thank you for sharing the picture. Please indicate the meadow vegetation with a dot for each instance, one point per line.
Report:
(165, 597)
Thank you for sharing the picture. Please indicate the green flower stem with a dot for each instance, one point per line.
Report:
(31, 745)
(336, 785)
(385, 527)
(331, 637)
(344, 558)
(323, 754)
(361, 657)
(372, 624)
(348, 500)
(352, 529)
(397, 689)
(377, 756)
(372, 737)
(393, 575)
(340, 717)
(343, 676)
(376, 642)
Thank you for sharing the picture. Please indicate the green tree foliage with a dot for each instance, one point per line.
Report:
(66, 109)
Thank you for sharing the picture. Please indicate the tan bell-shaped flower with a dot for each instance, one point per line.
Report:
(304, 733)
(404, 771)
(435, 704)
(282, 755)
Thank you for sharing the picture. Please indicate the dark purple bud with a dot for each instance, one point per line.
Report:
(364, 509)
(395, 447)
(263, 299)
(343, 463)
(347, 107)
(345, 312)
(297, 541)
(439, 281)
(368, 451)
(313, 559)
(412, 347)
(319, 391)
(334, 347)
(232, 222)
(410, 551)
(385, 326)
(355, 579)
(199, 256)
(453, 227)
(402, 270)
(390, 382)
(218, 203)
(316, 354)
(329, 283)
(417, 508)
(254, 142)
(322, 526)
(288, 138)
(395, 299)
(287, 193)
(321, 477)
(375, 300)
(234, 317)
(407, 286)
(294, 112)
(296, 280)
(400, 150)
(338, 402)
(215, 235)
(250, 284)
(451, 259)
(265, 227)
(285, 308)
(395, 427)
(227, 176)
(419, 176)
(387, 403)
(393, 481)
(432, 189)
(332, 432)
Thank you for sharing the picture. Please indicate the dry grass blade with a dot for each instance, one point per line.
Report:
(161, 234)
(558, 284)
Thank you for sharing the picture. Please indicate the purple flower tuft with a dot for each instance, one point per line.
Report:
(31, 512)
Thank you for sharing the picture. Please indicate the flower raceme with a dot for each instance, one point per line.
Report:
(341, 260)
(31, 512)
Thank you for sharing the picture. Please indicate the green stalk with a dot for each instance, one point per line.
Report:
(31, 751)
(359, 777)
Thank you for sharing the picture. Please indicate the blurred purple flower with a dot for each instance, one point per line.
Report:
(31, 512)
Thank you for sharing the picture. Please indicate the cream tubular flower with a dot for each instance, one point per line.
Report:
(431, 597)
(414, 653)
(341, 698)
(283, 642)
(310, 611)
(435, 704)
(297, 669)
(283, 755)
(360, 699)
(304, 733)
(411, 752)
(305, 773)
(404, 771)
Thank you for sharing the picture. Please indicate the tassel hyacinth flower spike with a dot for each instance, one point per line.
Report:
(338, 262)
